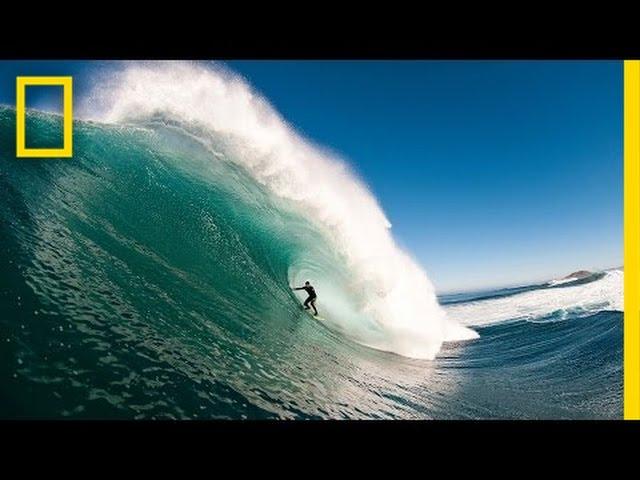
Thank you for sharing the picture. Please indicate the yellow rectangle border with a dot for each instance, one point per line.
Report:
(67, 111)
(632, 239)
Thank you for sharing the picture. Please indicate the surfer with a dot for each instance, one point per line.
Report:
(311, 299)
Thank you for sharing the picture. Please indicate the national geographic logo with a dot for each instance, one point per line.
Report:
(67, 111)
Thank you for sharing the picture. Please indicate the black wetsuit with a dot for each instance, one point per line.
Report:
(311, 299)
(310, 291)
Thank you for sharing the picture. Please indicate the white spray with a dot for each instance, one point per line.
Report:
(394, 292)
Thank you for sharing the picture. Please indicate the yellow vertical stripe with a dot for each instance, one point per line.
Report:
(20, 117)
(632, 239)
(68, 117)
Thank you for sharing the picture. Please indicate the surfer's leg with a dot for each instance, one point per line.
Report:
(306, 303)
(313, 304)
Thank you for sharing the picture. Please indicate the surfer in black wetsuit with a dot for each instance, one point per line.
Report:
(311, 299)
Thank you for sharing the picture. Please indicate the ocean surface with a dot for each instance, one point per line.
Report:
(149, 278)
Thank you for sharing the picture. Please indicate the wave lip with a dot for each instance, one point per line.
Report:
(217, 107)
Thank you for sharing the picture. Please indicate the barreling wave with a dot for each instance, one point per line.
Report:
(369, 288)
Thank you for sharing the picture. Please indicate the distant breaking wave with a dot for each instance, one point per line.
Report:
(554, 301)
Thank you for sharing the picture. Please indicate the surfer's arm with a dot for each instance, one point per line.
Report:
(298, 288)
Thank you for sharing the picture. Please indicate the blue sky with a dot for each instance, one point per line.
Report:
(492, 173)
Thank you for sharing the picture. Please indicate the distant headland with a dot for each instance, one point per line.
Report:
(578, 274)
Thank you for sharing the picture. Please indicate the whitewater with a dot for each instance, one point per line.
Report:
(555, 301)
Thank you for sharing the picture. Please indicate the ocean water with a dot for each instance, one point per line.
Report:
(149, 277)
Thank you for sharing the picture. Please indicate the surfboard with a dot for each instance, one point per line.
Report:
(310, 312)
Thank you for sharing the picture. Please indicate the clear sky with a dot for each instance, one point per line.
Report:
(492, 173)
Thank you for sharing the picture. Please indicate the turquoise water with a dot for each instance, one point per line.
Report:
(146, 279)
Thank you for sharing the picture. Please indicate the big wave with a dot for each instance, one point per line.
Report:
(368, 287)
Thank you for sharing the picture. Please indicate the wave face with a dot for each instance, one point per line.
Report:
(369, 289)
